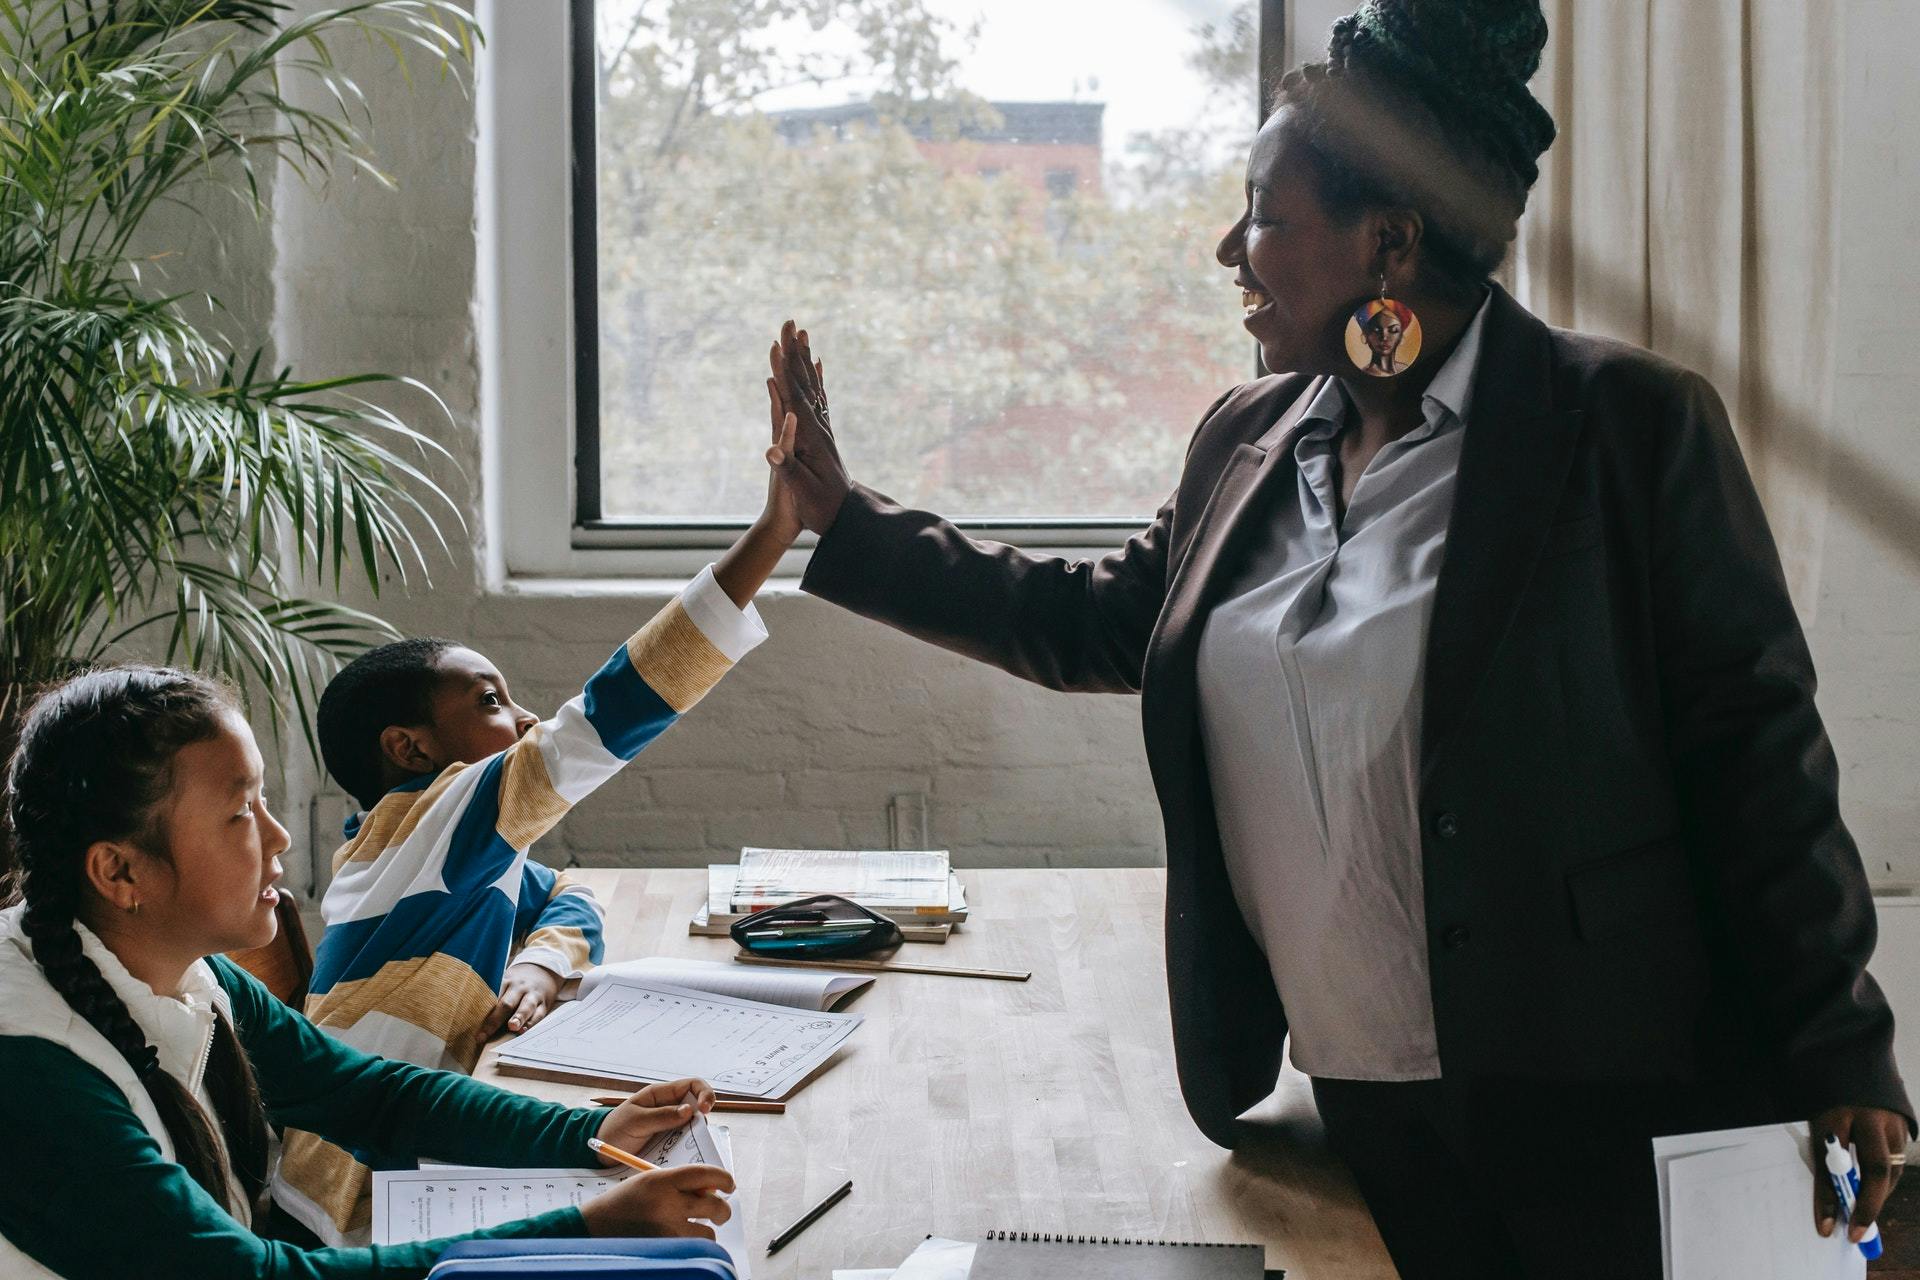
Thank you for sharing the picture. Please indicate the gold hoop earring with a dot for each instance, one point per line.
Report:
(1383, 335)
(134, 910)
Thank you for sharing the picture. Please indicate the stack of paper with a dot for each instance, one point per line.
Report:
(908, 881)
(444, 1200)
(1737, 1204)
(638, 1029)
(782, 875)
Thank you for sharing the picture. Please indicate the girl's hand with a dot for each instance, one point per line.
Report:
(666, 1202)
(527, 994)
(805, 459)
(654, 1110)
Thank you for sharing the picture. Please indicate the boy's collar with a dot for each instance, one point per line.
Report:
(420, 783)
(351, 827)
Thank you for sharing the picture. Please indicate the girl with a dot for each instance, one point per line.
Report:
(146, 1069)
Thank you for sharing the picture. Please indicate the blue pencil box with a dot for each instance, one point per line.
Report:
(648, 1259)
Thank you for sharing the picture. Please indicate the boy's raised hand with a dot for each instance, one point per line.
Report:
(780, 513)
(653, 1110)
(755, 554)
(528, 993)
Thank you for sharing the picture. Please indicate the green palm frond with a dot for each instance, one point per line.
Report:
(156, 482)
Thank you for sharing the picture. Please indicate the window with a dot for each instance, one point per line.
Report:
(997, 219)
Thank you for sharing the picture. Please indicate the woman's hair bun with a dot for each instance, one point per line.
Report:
(1468, 61)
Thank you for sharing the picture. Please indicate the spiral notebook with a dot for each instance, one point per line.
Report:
(1027, 1255)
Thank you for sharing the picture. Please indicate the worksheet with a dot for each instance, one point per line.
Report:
(447, 1199)
(1738, 1205)
(634, 1030)
(809, 989)
(450, 1200)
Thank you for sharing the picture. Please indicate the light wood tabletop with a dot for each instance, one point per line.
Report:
(962, 1105)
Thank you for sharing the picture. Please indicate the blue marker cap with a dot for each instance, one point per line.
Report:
(1846, 1185)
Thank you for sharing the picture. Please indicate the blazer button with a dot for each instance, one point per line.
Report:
(1456, 937)
(1447, 825)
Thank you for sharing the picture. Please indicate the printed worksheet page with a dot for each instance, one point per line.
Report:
(630, 1030)
(451, 1200)
(448, 1200)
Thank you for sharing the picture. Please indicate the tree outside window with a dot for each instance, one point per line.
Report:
(1019, 310)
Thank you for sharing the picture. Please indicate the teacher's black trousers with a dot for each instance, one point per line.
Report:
(1489, 1179)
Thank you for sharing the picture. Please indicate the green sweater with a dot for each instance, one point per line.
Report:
(88, 1194)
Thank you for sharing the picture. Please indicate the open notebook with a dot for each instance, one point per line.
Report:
(635, 1028)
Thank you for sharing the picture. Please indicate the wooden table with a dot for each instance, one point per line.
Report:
(1049, 1105)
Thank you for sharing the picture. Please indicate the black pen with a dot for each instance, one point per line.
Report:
(780, 1241)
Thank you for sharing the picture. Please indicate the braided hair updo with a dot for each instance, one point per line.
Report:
(1424, 104)
(95, 762)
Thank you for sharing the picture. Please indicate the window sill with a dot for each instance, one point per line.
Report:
(629, 587)
(615, 568)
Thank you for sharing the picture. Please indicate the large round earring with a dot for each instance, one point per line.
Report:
(1383, 335)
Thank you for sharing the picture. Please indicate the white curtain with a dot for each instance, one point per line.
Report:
(1689, 206)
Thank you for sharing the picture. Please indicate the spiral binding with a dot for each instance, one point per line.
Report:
(1050, 1237)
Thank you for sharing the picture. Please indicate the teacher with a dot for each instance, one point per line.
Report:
(1479, 716)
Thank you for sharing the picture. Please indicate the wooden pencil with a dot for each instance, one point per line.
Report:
(891, 966)
(719, 1104)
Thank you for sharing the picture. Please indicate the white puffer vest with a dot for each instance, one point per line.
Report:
(180, 1028)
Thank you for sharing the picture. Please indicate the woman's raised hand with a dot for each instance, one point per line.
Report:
(805, 459)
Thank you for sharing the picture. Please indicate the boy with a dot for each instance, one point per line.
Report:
(433, 885)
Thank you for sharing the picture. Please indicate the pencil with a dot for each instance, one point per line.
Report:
(807, 1219)
(890, 966)
(719, 1104)
(612, 1152)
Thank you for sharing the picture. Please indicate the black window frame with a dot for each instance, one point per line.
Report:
(583, 58)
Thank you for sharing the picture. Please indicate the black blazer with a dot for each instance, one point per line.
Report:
(1634, 862)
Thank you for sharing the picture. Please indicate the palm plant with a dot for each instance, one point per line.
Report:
(156, 477)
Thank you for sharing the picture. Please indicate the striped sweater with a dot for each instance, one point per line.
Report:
(433, 884)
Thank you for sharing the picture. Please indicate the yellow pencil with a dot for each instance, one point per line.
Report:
(612, 1152)
(719, 1104)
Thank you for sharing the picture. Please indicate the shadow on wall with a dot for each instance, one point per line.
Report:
(1851, 479)
(1479, 202)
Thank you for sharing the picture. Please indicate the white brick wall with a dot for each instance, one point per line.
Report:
(808, 741)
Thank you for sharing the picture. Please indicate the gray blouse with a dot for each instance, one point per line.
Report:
(1311, 671)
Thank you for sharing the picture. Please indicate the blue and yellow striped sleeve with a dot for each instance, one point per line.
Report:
(648, 683)
(560, 920)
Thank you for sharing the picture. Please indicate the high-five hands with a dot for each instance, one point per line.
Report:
(804, 457)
